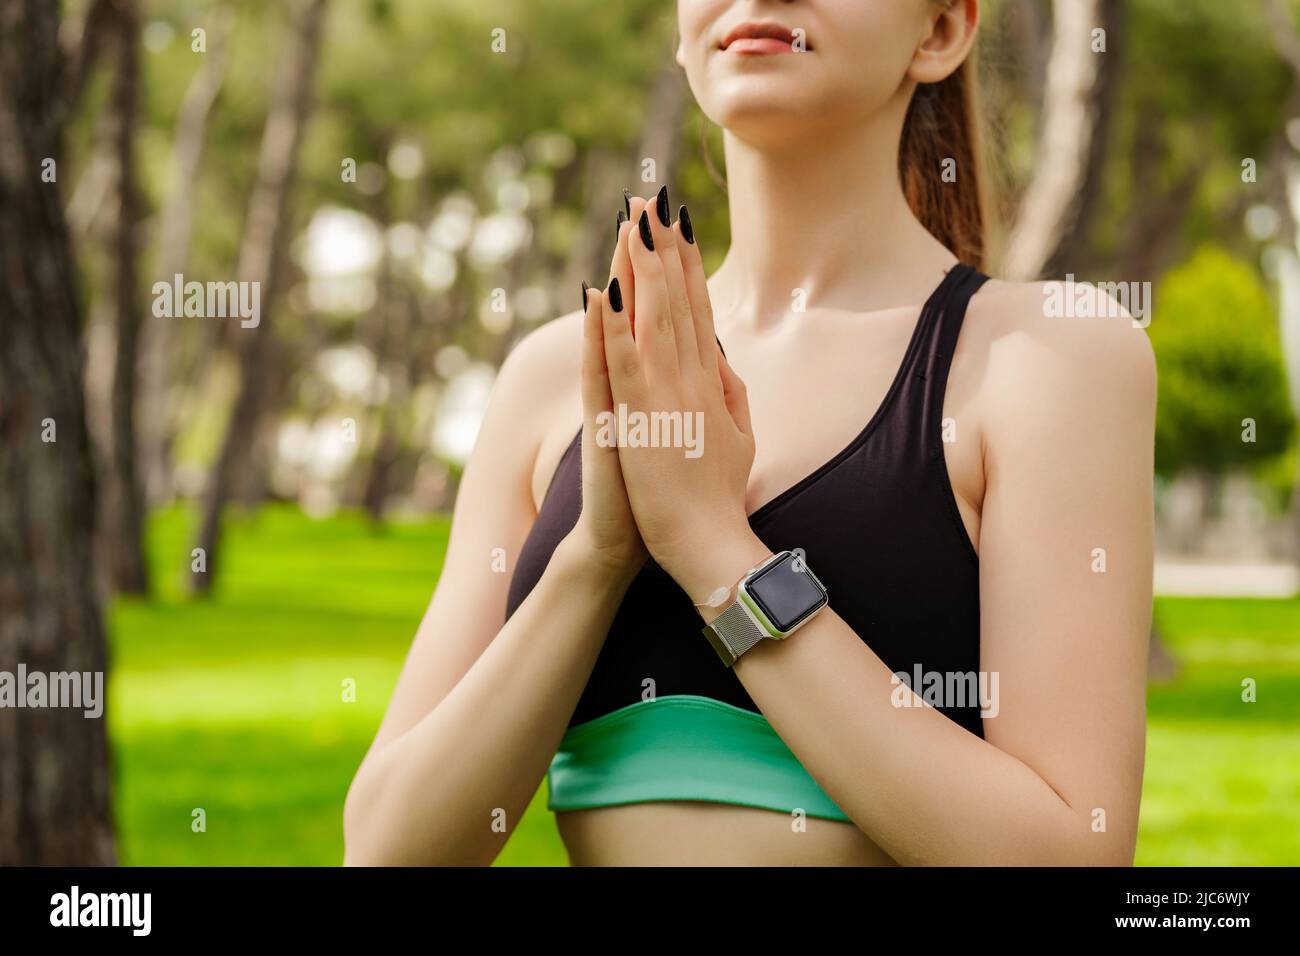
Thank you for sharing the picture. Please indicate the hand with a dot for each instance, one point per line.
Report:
(687, 494)
(606, 528)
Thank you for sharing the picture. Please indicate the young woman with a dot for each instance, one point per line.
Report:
(968, 478)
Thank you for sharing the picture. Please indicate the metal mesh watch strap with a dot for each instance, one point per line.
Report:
(733, 632)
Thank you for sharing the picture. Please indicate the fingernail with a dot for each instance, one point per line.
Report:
(627, 204)
(615, 295)
(644, 225)
(618, 226)
(688, 231)
(661, 206)
(584, 295)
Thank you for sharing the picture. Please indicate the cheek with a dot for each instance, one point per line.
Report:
(697, 23)
(866, 54)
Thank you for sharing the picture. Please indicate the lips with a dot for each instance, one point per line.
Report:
(761, 39)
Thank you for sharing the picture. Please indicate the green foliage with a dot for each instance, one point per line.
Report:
(1214, 330)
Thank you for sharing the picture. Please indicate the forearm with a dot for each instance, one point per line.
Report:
(918, 784)
(452, 788)
(923, 788)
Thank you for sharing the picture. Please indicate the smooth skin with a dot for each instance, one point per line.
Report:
(1052, 461)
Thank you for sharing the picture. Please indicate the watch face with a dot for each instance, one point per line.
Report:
(785, 594)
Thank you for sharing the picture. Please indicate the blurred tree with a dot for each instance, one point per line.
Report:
(1201, 93)
(1285, 197)
(265, 234)
(123, 517)
(53, 760)
(175, 226)
(1221, 390)
(1067, 142)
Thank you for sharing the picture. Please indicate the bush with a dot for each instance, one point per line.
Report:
(1220, 368)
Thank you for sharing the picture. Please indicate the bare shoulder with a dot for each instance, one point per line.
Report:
(538, 381)
(1063, 342)
(536, 404)
(545, 360)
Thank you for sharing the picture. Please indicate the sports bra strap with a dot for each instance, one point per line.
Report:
(941, 325)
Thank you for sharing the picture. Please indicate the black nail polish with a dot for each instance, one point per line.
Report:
(615, 295)
(661, 206)
(688, 231)
(627, 204)
(618, 226)
(584, 295)
(644, 225)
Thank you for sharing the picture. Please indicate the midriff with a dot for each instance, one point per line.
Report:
(695, 833)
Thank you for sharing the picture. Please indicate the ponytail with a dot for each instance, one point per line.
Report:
(942, 124)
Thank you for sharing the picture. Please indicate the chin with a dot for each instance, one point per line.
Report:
(768, 114)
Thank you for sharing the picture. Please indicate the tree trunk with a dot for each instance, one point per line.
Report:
(1064, 140)
(124, 541)
(259, 261)
(54, 762)
(157, 415)
(1073, 244)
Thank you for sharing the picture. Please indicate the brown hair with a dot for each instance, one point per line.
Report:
(943, 123)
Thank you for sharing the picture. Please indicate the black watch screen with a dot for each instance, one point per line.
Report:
(785, 592)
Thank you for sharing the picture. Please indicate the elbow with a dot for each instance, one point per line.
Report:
(378, 830)
(356, 848)
(1098, 849)
(364, 841)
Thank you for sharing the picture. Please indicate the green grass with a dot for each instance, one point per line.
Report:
(234, 705)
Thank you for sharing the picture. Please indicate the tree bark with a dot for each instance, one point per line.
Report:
(259, 261)
(54, 762)
(124, 541)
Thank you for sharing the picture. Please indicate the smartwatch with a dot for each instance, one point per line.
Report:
(772, 601)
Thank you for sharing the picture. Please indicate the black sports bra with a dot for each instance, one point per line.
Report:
(661, 718)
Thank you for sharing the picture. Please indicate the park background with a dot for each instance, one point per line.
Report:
(417, 185)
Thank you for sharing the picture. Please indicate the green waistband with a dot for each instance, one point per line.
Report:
(682, 747)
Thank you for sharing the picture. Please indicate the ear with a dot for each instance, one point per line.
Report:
(680, 55)
(949, 34)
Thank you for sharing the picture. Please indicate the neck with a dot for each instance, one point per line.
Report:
(827, 215)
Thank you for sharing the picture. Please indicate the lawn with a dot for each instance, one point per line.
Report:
(235, 707)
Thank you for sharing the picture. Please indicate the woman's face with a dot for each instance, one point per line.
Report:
(743, 60)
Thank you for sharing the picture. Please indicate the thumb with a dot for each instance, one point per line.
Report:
(734, 394)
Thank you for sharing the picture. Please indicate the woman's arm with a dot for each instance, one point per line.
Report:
(1068, 423)
(1067, 413)
(480, 708)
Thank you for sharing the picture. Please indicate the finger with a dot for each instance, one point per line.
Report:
(596, 397)
(679, 306)
(735, 395)
(622, 359)
(697, 289)
(655, 334)
(620, 266)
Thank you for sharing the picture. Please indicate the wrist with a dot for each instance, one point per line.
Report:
(717, 564)
(575, 558)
